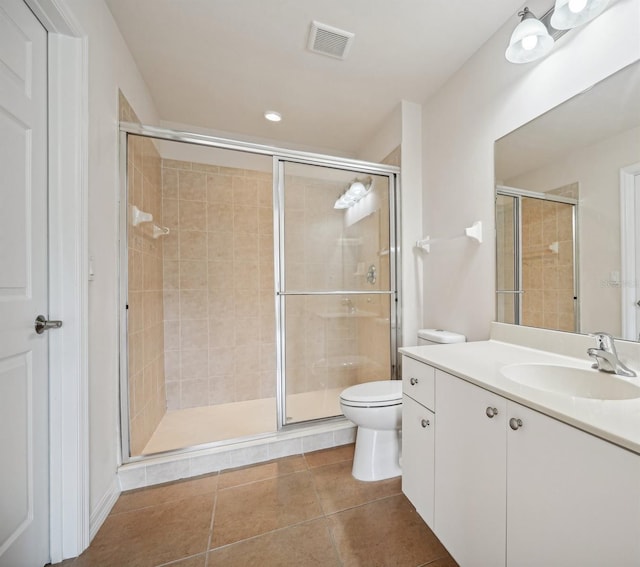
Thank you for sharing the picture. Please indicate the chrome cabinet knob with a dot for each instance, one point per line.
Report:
(515, 423)
(491, 412)
(413, 381)
(425, 423)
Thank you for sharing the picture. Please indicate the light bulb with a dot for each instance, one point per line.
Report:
(577, 6)
(529, 42)
(568, 14)
(273, 116)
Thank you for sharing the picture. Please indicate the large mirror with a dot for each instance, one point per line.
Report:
(568, 214)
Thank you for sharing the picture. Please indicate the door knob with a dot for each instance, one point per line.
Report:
(425, 423)
(42, 324)
(413, 381)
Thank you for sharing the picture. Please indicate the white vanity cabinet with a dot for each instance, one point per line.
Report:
(470, 476)
(572, 498)
(418, 436)
(517, 488)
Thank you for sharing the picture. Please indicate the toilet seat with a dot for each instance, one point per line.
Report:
(383, 393)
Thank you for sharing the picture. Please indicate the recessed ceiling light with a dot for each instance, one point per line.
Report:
(272, 116)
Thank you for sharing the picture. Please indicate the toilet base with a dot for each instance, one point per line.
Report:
(377, 454)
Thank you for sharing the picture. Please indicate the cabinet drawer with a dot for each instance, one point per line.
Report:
(418, 381)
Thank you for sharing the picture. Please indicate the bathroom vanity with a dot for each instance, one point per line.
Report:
(509, 470)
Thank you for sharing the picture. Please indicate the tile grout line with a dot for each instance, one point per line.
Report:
(178, 561)
(213, 517)
(322, 516)
(270, 532)
(276, 529)
(326, 519)
(361, 505)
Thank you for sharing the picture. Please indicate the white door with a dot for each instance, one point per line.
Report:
(24, 396)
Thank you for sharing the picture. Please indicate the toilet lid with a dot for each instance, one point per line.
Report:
(372, 392)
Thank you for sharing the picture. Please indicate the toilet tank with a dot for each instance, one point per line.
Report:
(438, 337)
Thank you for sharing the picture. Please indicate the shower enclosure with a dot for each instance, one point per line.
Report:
(251, 295)
(536, 259)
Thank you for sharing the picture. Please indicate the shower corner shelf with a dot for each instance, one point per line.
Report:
(139, 216)
(159, 231)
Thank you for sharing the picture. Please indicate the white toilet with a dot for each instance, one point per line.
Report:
(439, 337)
(376, 408)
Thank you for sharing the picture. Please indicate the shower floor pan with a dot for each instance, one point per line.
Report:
(196, 426)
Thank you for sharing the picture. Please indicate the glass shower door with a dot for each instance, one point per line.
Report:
(336, 289)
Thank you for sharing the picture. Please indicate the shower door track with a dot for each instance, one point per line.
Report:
(279, 156)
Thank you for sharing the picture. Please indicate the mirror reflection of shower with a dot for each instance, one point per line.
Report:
(536, 258)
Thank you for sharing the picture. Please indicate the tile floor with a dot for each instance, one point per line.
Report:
(305, 510)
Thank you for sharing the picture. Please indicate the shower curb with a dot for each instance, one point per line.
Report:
(153, 470)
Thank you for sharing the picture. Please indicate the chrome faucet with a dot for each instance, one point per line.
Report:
(606, 357)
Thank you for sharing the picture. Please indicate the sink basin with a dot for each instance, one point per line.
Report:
(571, 381)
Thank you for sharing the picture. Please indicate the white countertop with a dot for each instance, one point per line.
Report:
(617, 421)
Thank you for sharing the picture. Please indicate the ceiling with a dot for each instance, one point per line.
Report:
(219, 64)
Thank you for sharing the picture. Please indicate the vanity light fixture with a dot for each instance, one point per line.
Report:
(533, 38)
(529, 41)
(273, 116)
(357, 190)
(568, 14)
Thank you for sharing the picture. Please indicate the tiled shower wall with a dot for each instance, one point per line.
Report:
(219, 286)
(147, 399)
(547, 265)
(219, 317)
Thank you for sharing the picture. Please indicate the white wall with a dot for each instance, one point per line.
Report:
(485, 100)
(403, 128)
(411, 222)
(110, 67)
(387, 138)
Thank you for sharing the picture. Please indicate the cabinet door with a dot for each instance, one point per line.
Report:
(470, 472)
(418, 426)
(572, 499)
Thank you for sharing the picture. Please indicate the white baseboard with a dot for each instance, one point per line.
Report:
(99, 515)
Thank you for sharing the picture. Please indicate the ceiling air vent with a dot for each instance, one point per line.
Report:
(330, 41)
